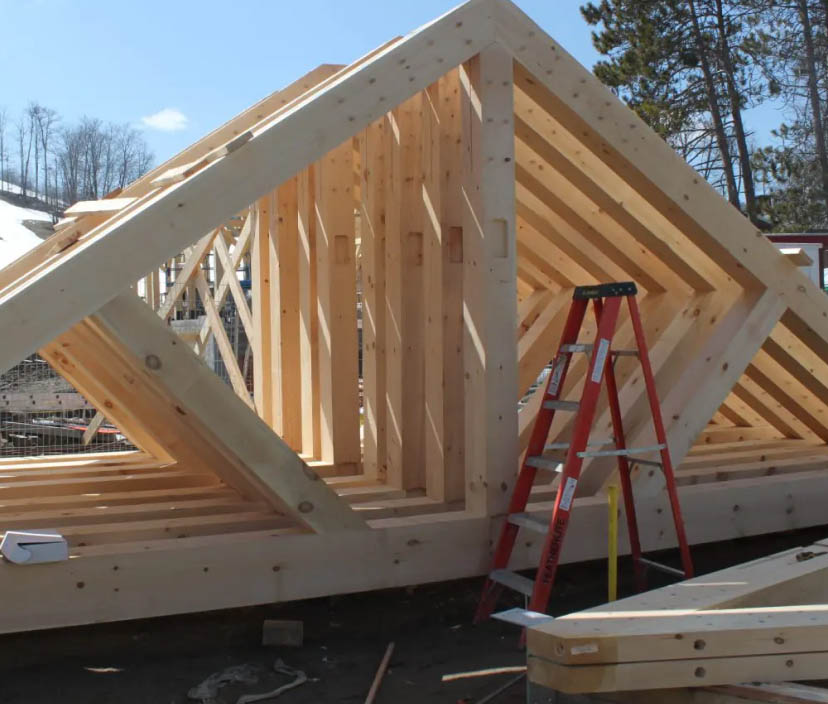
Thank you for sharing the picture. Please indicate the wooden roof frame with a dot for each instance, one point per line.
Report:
(81, 273)
(166, 222)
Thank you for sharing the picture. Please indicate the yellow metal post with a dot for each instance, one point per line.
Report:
(612, 547)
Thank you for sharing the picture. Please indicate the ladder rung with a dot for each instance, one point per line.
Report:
(540, 462)
(648, 463)
(660, 567)
(619, 453)
(562, 405)
(515, 581)
(591, 443)
(580, 347)
(522, 617)
(527, 520)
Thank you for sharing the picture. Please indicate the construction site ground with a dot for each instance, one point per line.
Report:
(156, 661)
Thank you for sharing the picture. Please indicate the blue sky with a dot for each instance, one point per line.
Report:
(178, 68)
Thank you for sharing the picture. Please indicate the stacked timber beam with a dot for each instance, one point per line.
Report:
(397, 241)
(748, 623)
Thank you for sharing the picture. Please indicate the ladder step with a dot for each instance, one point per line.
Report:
(641, 461)
(523, 617)
(661, 568)
(541, 462)
(512, 580)
(527, 520)
(591, 443)
(562, 405)
(622, 453)
(587, 348)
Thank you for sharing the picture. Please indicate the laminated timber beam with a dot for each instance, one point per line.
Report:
(606, 127)
(489, 270)
(268, 566)
(264, 460)
(693, 392)
(741, 624)
(754, 693)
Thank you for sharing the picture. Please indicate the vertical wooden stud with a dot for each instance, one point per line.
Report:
(489, 281)
(284, 306)
(372, 223)
(260, 342)
(393, 304)
(336, 291)
(308, 315)
(404, 297)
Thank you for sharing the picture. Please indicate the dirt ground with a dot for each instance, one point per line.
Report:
(156, 661)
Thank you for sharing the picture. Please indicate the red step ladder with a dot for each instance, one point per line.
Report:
(606, 300)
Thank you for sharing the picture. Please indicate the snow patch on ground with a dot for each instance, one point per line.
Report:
(15, 238)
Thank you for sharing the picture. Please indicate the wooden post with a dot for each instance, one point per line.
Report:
(393, 304)
(308, 315)
(489, 281)
(260, 342)
(413, 299)
(404, 297)
(336, 290)
(372, 215)
(284, 306)
(443, 273)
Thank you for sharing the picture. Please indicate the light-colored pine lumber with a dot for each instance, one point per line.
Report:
(465, 203)
(110, 205)
(263, 458)
(308, 314)
(489, 303)
(284, 307)
(412, 318)
(260, 344)
(336, 296)
(372, 263)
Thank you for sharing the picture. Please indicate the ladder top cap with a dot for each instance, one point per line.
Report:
(621, 288)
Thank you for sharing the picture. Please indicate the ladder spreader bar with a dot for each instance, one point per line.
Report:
(621, 453)
(649, 463)
(562, 405)
(660, 567)
(527, 520)
(513, 580)
(550, 463)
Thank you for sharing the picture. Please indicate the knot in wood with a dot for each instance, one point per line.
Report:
(153, 361)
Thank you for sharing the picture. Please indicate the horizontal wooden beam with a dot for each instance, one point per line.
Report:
(264, 567)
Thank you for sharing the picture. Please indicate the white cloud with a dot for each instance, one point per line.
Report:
(167, 120)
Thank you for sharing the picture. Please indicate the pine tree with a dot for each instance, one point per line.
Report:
(686, 68)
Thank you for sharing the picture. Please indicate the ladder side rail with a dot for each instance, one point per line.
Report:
(553, 544)
(624, 476)
(537, 442)
(543, 421)
(661, 436)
